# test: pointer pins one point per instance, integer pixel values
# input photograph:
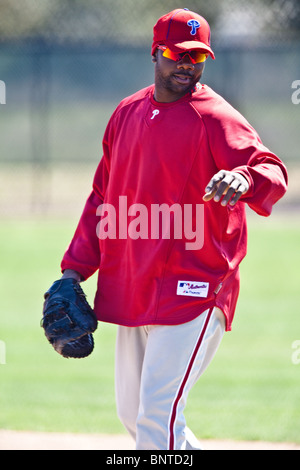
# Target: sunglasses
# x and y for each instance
(196, 57)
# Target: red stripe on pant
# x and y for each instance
(185, 379)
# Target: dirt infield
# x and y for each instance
(17, 440)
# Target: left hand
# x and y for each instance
(229, 184)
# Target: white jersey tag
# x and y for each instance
(193, 288)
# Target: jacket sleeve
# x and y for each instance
(236, 146)
(83, 254)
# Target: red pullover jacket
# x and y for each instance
(163, 155)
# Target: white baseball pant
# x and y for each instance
(156, 367)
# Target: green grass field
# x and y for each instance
(250, 391)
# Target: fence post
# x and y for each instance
(2, 92)
(39, 100)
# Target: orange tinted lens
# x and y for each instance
(170, 55)
(195, 56)
(198, 56)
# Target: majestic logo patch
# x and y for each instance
(194, 24)
(193, 288)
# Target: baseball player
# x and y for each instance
(175, 148)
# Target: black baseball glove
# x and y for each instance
(68, 320)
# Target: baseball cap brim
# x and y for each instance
(189, 46)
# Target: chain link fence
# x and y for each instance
(66, 64)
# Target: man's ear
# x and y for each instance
(154, 57)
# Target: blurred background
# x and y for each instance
(65, 65)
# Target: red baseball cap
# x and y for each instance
(182, 30)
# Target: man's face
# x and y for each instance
(173, 80)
